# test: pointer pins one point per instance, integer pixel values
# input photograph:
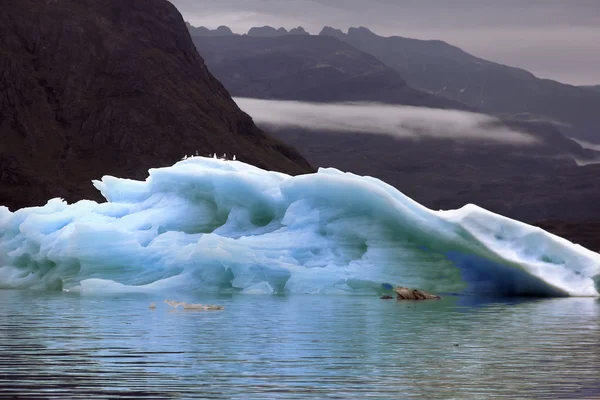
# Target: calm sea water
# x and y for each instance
(63, 344)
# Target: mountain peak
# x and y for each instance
(329, 31)
(224, 30)
(361, 31)
(269, 31)
(204, 31)
(298, 31)
(266, 31)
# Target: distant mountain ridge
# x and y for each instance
(203, 31)
(439, 68)
(258, 31)
(267, 31)
(324, 69)
(308, 68)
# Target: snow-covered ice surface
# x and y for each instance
(206, 225)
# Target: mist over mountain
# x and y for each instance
(324, 69)
(117, 90)
(438, 67)
(442, 161)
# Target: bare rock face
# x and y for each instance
(403, 293)
(110, 87)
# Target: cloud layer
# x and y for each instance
(393, 120)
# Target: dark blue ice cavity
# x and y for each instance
(495, 279)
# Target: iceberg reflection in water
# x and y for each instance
(211, 225)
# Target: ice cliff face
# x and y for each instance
(214, 225)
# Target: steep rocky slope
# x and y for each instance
(96, 87)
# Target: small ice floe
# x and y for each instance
(174, 303)
(190, 306)
(187, 306)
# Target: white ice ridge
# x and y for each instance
(206, 225)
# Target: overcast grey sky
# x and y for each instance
(557, 39)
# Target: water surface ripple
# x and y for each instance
(270, 347)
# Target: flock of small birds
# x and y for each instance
(213, 155)
(189, 306)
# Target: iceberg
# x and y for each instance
(212, 225)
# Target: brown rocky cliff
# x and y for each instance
(110, 87)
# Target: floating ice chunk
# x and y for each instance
(201, 307)
(192, 306)
(175, 304)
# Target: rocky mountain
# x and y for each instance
(96, 87)
(266, 31)
(298, 31)
(261, 31)
(203, 31)
(438, 67)
(309, 68)
(269, 31)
